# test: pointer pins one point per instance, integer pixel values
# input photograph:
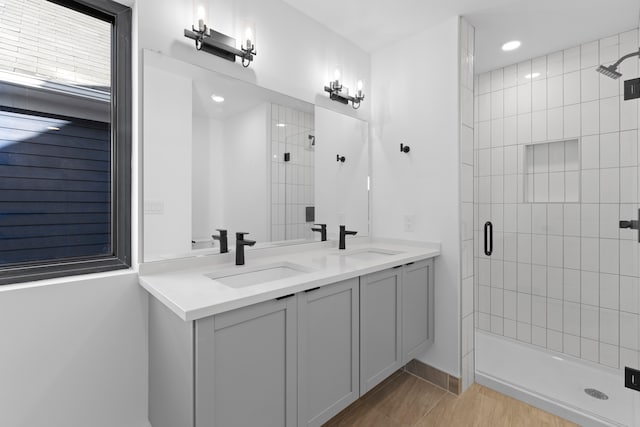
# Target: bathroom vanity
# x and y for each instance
(302, 330)
(290, 339)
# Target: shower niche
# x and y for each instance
(552, 172)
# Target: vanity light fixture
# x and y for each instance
(532, 76)
(280, 125)
(217, 98)
(219, 44)
(340, 93)
(512, 45)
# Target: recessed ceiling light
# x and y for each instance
(52, 128)
(512, 45)
(532, 76)
(280, 125)
(217, 98)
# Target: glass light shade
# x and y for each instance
(359, 87)
(200, 14)
(246, 35)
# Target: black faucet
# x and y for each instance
(322, 230)
(241, 242)
(223, 240)
(343, 233)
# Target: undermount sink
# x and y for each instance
(367, 254)
(249, 276)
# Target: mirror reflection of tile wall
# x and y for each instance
(292, 181)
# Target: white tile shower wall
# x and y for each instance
(562, 276)
(292, 182)
(466, 46)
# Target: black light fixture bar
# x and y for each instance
(221, 45)
(336, 94)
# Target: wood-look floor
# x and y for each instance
(404, 400)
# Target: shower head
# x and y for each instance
(610, 71)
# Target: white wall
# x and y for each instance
(247, 175)
(341, 188)
(415, 102)
(74, 353)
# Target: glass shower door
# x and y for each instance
(556, 171)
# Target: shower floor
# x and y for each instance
(555, 382)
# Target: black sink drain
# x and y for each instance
(596, 393)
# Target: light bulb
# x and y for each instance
(248, 35)
(512, 45)
(335, 84)
(201, 15)
(359, 87)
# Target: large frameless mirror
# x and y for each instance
(220, 153)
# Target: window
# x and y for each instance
(65, 138)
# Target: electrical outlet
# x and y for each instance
(632, 378)
(409, 223)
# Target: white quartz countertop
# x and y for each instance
(188, 291)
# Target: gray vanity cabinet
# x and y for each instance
(292, 361)
(245, 364)
(328, 351)
(417, 308)
(380, 326)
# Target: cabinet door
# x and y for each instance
(246, 366)
(380, 327)
(328, 351)
(417, 309)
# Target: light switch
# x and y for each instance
(153, 207)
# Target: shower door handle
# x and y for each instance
(488, 238)
(632, 224)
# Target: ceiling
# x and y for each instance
(543, 26)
